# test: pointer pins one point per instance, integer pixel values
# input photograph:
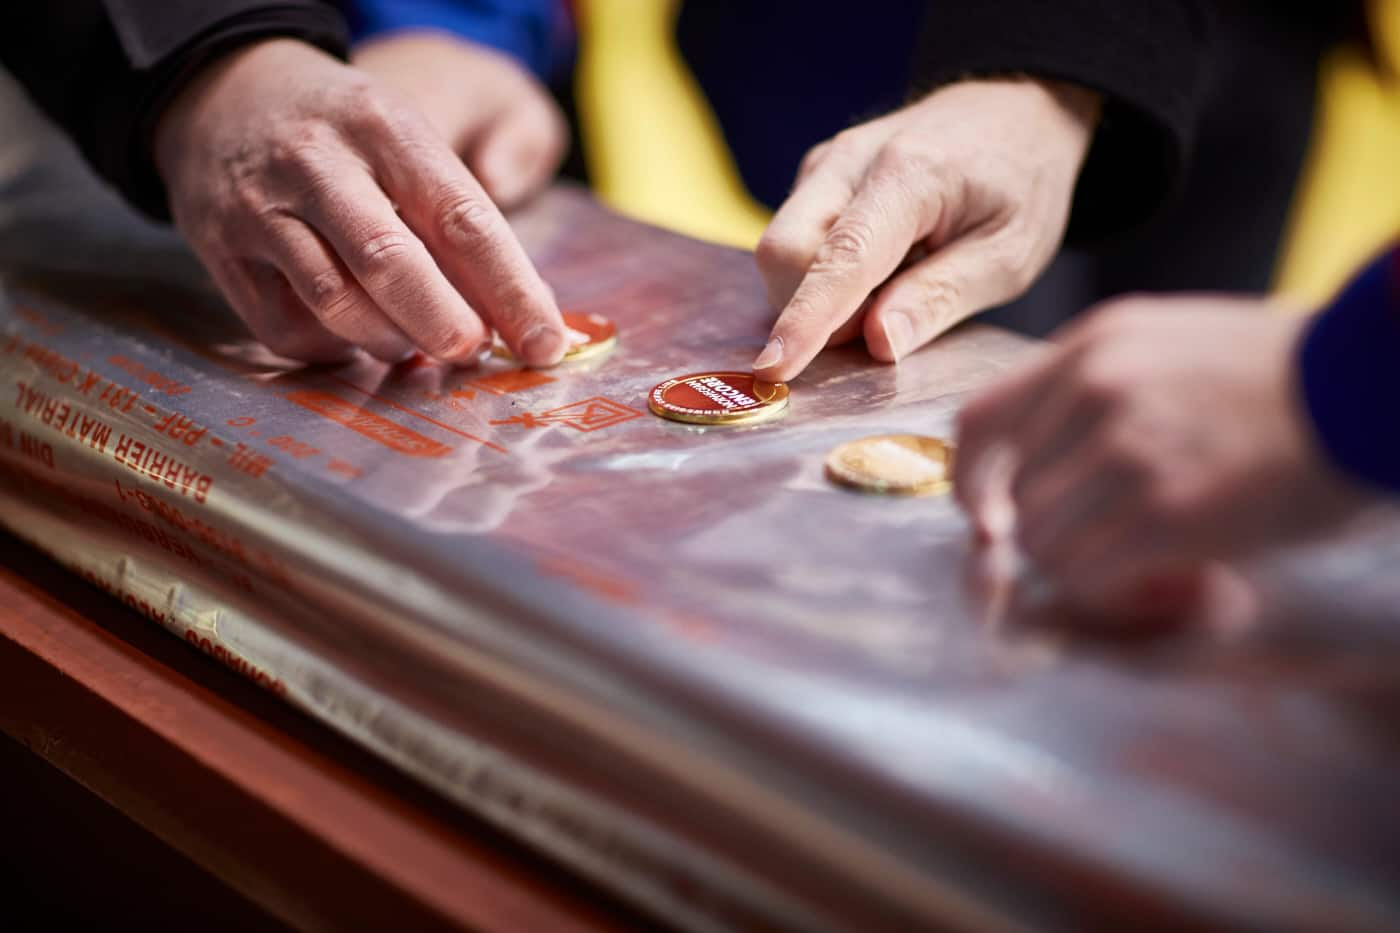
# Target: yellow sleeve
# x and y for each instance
(654, 149)
(1348, 205)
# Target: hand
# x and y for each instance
(1155, 436)
(492, 112)
(332, 215)
(904, 226)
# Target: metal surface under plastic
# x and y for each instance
(680, 657)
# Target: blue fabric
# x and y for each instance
(780, 75)
(1351, 375)
(535, 32)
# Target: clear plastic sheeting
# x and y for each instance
(680, 658)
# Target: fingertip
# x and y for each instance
(785, 371)
(543, 345)
(789, 351)
(771, 357)
(981, 531)
(769, 374)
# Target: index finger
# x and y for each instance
(471, 242)
(392, 265)
(864, 246)
(793, 236)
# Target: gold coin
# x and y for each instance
(589, 335)
(718, 398)
(894, 465)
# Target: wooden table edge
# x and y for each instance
(291, 816)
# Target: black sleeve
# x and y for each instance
(105, 69)
(1149, 58)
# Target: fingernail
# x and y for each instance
(899, 334)
(772, 354)
(542, 345)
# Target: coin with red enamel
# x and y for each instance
(718, 398)
(589, 335)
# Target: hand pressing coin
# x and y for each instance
(589, 336)
(333, 215)
(902, 227)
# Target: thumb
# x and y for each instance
(520, 150)
(968, 275)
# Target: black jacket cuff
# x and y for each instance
(104, 70)
(124, 149)
(1148, 59)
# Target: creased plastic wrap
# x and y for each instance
(680, 659)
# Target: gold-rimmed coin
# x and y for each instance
(718, 398)
(893, 465)
(590, 335)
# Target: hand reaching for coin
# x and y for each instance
(333, 215)
(1154, 437)
(902, 227)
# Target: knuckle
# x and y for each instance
(812, 158)
(848, 244)
(470, 224)
(1013, 262)
(905, 155)
(383, 249)
(307, 148)
(326, 287)
(942, 295)
(847, 141)
(331, 298)
(379, 115)
(382, 257)
(250, 196)
(367, 104)
(462, 212)
(299, 166)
